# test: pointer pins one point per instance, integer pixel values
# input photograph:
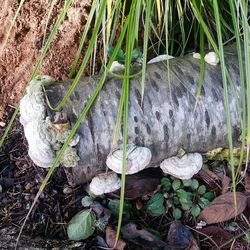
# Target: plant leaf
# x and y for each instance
(201, 189)
(222, 208)
(155, 205)
(195, 210)
(176, 184)
(177, 213)
(82, 225)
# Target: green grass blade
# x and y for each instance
(225, 89)
(145, 47)
(83, 38)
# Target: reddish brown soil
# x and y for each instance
(19, 54)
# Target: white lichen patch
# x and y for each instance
(43, 139)
(160, 58)
(104, 183)
(182, 167)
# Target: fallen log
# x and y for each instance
(165, 122)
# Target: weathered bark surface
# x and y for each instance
(165, 122)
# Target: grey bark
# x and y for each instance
(164, 123)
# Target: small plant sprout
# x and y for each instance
(182, 198)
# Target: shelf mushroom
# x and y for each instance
(104, 183)
(183, 168)
(138, 158)
(211, 58)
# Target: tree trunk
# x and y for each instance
(165, 122)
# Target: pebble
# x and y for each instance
(67, 190)
(2, 124)
(28, 186)
(1, 189)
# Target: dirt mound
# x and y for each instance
(19, 54)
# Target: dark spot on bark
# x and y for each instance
(148, 129)
(175, 99)
(154, 85)
(188, 140)
(157, 114)
(117, 93)
(213, 132)
(215, 96)
(190, 79)
(135, 119)
(99, 154)
(149, 100)
(178, 91)
(236, 133)
(173, 123)
(216, 78)
(183, 89)
(166, 133)
(91, 126)
(170, 113)
(157, 75)
(77, 96)
(203, 92)
(138, 96)
(207, 119)
(137, 140)
(195, 67)
(137, 130)
(235, 69)
(178, 70)
(88, 169)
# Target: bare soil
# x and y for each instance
(19, 54)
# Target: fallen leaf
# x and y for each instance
(222, 208)
(194, 245)
(82, 225)
(209, 177)
(140, 184)
(179, 235)
(217, 234)
(141, 237)
(111, 240)
(226, 184)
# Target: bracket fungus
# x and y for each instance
(212, 58)
(138, 158)
(45, 137)
(183, 168)
(104, 183)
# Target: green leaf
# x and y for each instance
(87, 201)
(82, 225)
(247, 237)
(203, 202)
(155, 205)
(195, 184)
(185, 206)
(176, 200)
(187, 183)
(195, 210)
(177, 213)
(176, 184)
(166, 184)
(115, 204)
(208, 195)
(136, 53)
(201, 189)
(184, 197)
(120, 57)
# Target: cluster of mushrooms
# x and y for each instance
(137, 159)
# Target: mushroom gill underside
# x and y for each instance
(165, 122)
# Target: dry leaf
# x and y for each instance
(110, 239)
(226, 184)
(218, 235)
(209, 177)
(222, 208)
(141, 183)
(179, 235)
(141, 237)
(194, 245)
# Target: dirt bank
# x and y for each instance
(20, 53)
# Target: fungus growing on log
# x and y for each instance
(164, 122)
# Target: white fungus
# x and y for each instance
(183, 168)
(138, 158)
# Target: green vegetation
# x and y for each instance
(171, 27)
(180, 197)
